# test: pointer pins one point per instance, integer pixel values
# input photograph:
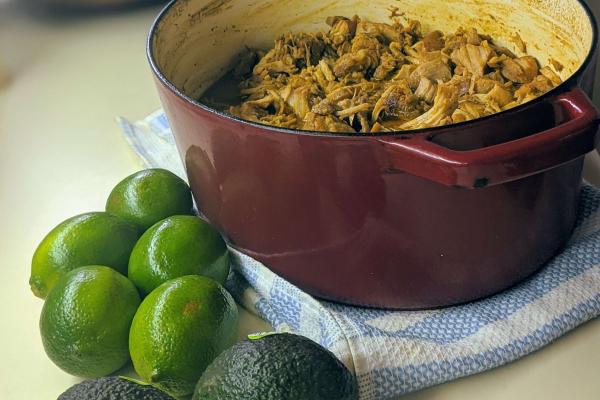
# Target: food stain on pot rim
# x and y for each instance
(213, 8)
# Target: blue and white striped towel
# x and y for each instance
(396, 352)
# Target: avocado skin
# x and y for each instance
(112, 388)
(277, 367)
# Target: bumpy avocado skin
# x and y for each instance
(277, 367)
(112, 388)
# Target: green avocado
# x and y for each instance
(113, 388)
(276, 367)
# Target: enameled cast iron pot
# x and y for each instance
(411, 220)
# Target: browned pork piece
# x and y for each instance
(444, 105)
(364, 77)
(520, 70)
(473, 58)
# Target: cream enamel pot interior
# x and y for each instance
(194, 32)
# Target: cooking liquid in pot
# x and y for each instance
(370, 77)
(224, 93)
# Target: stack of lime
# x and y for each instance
(94, 270)
(93, 320)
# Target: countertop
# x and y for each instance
(61, 152)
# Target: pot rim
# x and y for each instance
(195, 103)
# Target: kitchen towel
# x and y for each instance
(396, 352)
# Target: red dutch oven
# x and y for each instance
(417, 219)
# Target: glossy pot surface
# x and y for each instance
(411, 220)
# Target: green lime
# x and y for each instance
(85, 321)
(179, 329)
(87, 239)
(276, 367)
(177, 246)
(148, 196)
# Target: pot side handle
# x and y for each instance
(504, 162)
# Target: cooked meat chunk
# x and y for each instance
(426, 90)
(299, 98)
(472, 37)
(453, 42)
(503, 51)
(404, 73)
(473, 108)
(383, 31)
(500, 95)
(282, 120)
(290, 54)
(270, 65)
(473, 58)
(462, 83)
(363, 122)
(538, 86)
(387, 64)
(446, 101)
(520, 70)
(434, 70)
(396, 48)
(496, 61)
(551, 75)
(542, 84)
(327, 123)
(326, 71)
(352, 110)
(307, 50)
(413, 28)
(323, 107)
(363, 55)
(363, 41)
(342, 29)
(397, 102)
(352, 62)
(363, 76)
(434, 40)
(377, 127)
(484, 85)
(252, 110)
(468, 110)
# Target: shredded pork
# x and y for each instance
(361, 76)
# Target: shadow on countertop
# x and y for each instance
(64, 11)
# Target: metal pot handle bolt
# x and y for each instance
(577, 135)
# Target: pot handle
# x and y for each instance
(504, 162)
